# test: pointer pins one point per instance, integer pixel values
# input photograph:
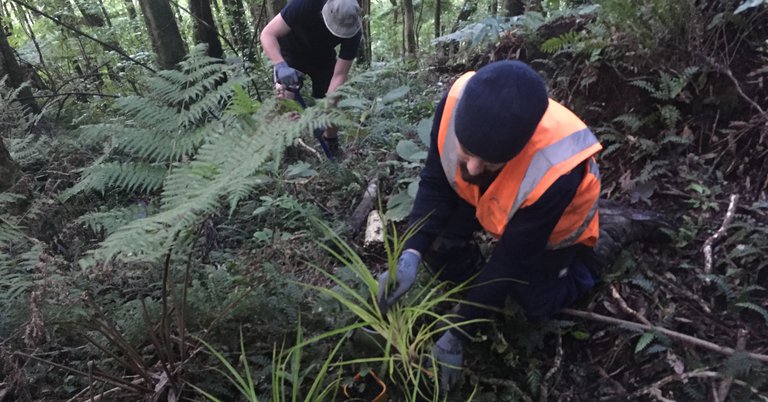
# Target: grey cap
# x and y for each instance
(342, 17)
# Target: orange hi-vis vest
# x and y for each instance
(560, 143)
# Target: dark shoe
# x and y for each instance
(620, 226)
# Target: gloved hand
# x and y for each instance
(407, 267)
(286, 75)
(448, 354)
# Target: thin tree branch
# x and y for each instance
(672, 334)
(544, 388)
(502, 383)
(624, 306)
(720, 233)
(79, 32)
(655, 387)
(68, 94)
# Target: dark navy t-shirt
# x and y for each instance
(309, 39)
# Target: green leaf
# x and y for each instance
(644, 341)
(580, 335)
(413, 188)
(409, 151)
(395, 94)
(399, 206)
(424, 129)
(300, 169)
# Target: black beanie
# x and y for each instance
(501, 106)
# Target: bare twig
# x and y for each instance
(721, 393)
(727, 71)
(624, 306)
(654, 389)
(544, 388)
(103, 377)
(310, 149)
(720, 233)
(502, 383)
(672, 334)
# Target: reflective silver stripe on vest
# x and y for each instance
(571, 239)
(449, 157)
(547, 157)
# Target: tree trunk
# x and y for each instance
(438, 11)
(9, 66)
(9, 170)
(130, 8)
(513, 7)
(90, 13)
(467, 10)
(163, 31)
(409, 29)
(395, 12)
(204, 27)
(365, 53)
(106, 14)
(26, 23)
(238, 25)
(5, 16)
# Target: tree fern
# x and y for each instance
(164, 126)
(233, 160)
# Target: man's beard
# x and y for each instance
(483, 180)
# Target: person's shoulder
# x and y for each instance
(303, 8)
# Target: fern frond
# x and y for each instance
(644, 85)
(533, 378)
(721, 283)
(111, 220)
(629, 120)
(754, 307)
(9, 232)
(568, 39)
(141, 177)
(670, 115)
(146, 144)
(643, 283)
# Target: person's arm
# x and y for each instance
(275, 29)
(340, 73)
(435, 199)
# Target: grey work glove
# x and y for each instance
(448, 354)
(407, 266)
(287, 75)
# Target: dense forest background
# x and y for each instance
(169, 231)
